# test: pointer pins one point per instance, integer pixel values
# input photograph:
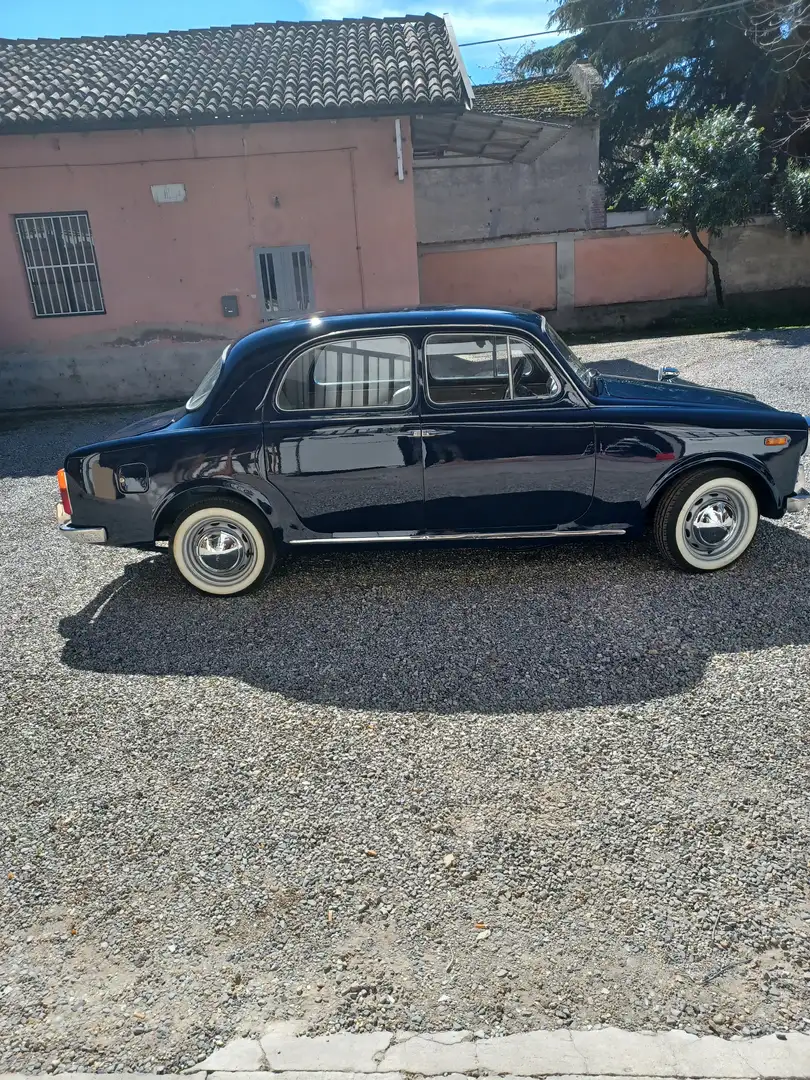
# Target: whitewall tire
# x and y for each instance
(222, 548)
(707, 520)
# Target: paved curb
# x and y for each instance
(563, 1053)
(458, 1055)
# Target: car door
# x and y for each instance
(508, 442)
(341, 435)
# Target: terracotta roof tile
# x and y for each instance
(229, 74)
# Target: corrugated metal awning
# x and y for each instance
(470, 134)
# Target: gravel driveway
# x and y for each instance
(498, 790)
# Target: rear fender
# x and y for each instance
(270, 503)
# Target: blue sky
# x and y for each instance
(473, 19)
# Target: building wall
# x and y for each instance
(763, 256)
(652, 266)
(558, 191)
(523, 276)
(620, 277)
(164, 268)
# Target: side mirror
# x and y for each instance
(667, 373)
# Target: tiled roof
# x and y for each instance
(269, 71)
(533, 99)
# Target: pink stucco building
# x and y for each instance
(247, 195)
(162, 193)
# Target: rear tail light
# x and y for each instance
(63, 491)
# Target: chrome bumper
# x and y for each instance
(799, 501)
(90, 536)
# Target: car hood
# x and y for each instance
(680, 392)
(149, 423)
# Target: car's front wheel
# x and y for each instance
(222, 548)
(707, 520)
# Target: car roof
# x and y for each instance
(256, 349)
(325, 322)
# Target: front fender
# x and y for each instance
(770, 498)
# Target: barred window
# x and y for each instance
(285, 281)
(60, 260)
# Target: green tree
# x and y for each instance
(704, 177)
(791, 199)
(667, 65)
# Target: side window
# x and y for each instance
(489, 367)
(284, 277)
(358, 373)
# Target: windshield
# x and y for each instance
(585, 373)
(201, 394)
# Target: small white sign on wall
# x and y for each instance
(167, 193)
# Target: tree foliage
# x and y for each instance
(663, 66)
(705, 177)
(791, 200)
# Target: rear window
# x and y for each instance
(349, 373)
(203, 391)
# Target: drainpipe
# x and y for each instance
(398, 139)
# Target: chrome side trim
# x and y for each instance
(90, 536)
(391, 538)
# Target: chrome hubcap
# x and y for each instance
(715, 524)
(220, 552)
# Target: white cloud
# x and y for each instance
(474, 20)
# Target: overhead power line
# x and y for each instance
(696, 13)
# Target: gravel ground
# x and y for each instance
(492, 789)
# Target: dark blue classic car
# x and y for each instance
(430, 424)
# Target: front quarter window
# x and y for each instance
(203, 391)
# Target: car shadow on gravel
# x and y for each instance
(557, 627)
(797, 338)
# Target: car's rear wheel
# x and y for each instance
(222, 548)
(707, 520)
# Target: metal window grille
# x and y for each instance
(285, 281)
(60, 260)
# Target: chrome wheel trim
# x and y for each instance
(715, 524)
(219, 552)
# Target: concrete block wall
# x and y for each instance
(616, 277)
(558, 191)
(761, 256)
(155, 371)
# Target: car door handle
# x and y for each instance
(426, 432)
(432, 432)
